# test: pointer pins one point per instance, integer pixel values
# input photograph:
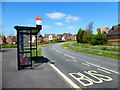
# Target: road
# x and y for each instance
(85, 70)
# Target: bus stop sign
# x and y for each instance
(38, 21)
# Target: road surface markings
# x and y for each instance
(104, 71)
(54, 48)
(85, 64)
(69, 56)
(58, 51)
(65, 77)
(71, 60)
(86, 81)
(102, 68)
(64, 54)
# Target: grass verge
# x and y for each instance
(38, 50)
(99, 47)
(87, 51)
(9, 46)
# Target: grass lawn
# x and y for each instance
(109, 55)
(99, 47)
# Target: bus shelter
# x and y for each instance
(25, 46)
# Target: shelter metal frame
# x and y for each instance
(25, 45)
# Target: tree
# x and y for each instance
(87, 36)
(89, 28)
(79, 36)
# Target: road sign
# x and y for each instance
(38, 21)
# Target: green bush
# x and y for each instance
(41, 41)
(98, 39)
(54, 41)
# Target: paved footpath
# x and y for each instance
(42, 76)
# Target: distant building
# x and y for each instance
(33, 39)
(49, 37)
(39, 38)
(68, 36)
(103, 30)
(2, 39)
(11, 40)
(63, 37)
(58, 36)
(113, 34)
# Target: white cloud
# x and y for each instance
(45, 27)
(56, 15)
(59, 23)
(70, 18)
(71, 27)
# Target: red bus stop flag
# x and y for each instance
(38, 21)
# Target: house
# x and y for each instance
(63, 38)
(68, 36)
(49, 37)
(15, 40)
(33, 39)
(58, 36)
(11, 40)
(39, 38)
(2, 39)
(113, 34)
(103, 30)
(75, 36)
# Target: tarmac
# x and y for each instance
(42, 76)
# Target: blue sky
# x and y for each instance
(59, 17)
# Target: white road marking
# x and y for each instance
(104, 71)
(65, 77)
(53, 48)
(85, 64)
(69, 56)
(64, 54)
(71, 60)
(57, 51)
(102, 67)
(83, 77)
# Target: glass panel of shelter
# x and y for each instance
(26, 47)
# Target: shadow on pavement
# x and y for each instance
(37, 61)
(3, 50)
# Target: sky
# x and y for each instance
(58, 17)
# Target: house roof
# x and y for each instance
(47, 35)
(114, 30)
(3, 37)
(12, 37)
(59, 35)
